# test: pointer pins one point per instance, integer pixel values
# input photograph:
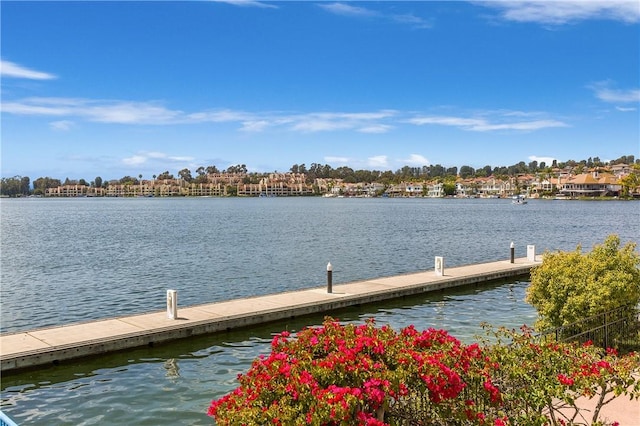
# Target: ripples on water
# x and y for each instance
(174, 384)
(70, 260)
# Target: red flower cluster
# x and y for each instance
(362, 374)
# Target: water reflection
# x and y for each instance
(247, 252)
(174, 383)
(173, 371)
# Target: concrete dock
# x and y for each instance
(52, 345)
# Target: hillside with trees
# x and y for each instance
(21, 186)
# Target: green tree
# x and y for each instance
(231, 190)
(631, 182)
(238, 168)
(202, 175)
(165, 176)
(436, 171)
(466, 171)
(211, 170)
(41, 184)
(449, 188)
(98, 182)
(570, 286)
(14, 186)
(185, 174)
(128, 180)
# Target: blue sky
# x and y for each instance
(126, 88)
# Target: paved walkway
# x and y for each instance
(621, 409)
(45, 346)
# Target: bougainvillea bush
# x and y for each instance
(367, 375)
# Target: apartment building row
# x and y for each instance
(593, 183)
(217, 185)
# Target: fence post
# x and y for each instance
(606, 331)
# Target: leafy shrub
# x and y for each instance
(361, 374)
(570, 286)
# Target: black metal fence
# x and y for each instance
(617, 328)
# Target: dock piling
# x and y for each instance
(54, 345)
(531, 253)
(172, 304)
(439, 266)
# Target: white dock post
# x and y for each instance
(172, 304)
(439, 266)
(531, 253)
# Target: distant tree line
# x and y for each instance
(19, 186)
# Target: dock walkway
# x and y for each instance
(46, 346)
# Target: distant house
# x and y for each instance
(397, 190)
(591, 185)
(466, 188)
(414, 189)
(620, 170)
(490, 187)
(435, 190)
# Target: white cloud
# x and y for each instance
(605, 93)
(622, 109)
(220, 116)
(345, 9)
(154, 154)
(28, 108)
(378, 161)
(120, 112)
(319, 125)
(366, 122)
(413, 20)
(131, 113)
(348, 10)
(562, 12)
(547, 160)
(483, 125)
(330, 159)
(247, 3)
(62, 125)
(416, 160)
(523, 125)
(161, 159)
(379, 128)
(372, 122)
(447, 121)
(10, 69)
(255, 125)
(180, 159)
(135, 160)
(154, 113)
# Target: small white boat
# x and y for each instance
(519, 199)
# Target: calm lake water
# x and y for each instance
(70, 260)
